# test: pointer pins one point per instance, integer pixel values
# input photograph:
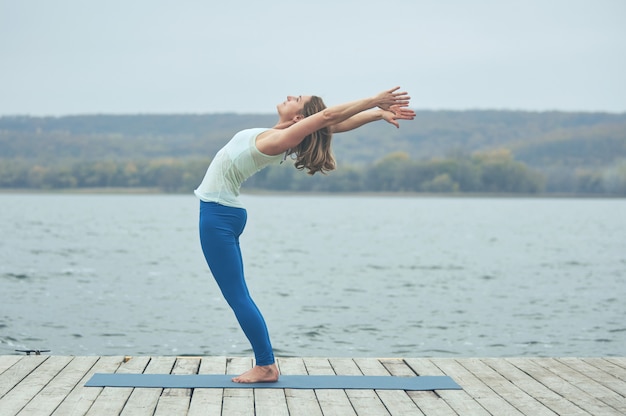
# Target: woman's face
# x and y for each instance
(292, 106)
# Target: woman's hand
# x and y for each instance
(386, 99)
(398, 112)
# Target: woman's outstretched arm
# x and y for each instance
(391, 115)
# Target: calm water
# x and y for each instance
(334, 276)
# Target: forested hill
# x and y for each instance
(550, 151)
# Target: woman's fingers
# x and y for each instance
(401, 112)
(393, 98)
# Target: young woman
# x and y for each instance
(304, 130)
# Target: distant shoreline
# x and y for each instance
(115, 190)
(157, 191)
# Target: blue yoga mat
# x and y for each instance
(285, 382)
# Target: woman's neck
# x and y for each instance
(283, 124)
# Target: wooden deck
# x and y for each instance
(53, 385)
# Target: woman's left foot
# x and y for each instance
(259, 374)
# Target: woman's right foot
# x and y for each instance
(259, 374)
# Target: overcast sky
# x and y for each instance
(181, 56)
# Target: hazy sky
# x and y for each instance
(182, 56)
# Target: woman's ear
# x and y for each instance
(297, 118)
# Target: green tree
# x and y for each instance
(614, 178)
(441, 183)
(500, 173)
(389, 174)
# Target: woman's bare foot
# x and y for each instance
(259, 374)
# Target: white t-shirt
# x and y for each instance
(232, 165)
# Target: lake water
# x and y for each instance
(333, 275)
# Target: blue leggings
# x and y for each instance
(220, 228)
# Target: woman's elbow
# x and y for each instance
(330, 117)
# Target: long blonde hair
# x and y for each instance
(314, 152)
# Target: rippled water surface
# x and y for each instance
(333, 275)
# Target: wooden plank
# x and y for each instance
(619, 361)
(545, 380)
(80, 399)
(177, 401)
(605, 364)
(7, 361)
(533, 387)
(184, 365)
(18, 371)
(49, 398)
(208, 401)
(32, 384)
(143, 401)
(458, 400)
(238, 401)
(588, 394)
(600, 370)
(270, 402)
(332, 402)
(299, 402)
(504, 388)
(397, 402)
(427, 401)
(475, 387)
(111, 400)
(364, 402)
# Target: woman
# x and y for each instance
(304, 129)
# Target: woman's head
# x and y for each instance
(314, 152)
(290, 110)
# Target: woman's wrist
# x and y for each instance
(378, 103)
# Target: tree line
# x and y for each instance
(440, 151)
(486, 172)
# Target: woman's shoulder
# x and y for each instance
(252, 130)
(248, 133)
(265, 141)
